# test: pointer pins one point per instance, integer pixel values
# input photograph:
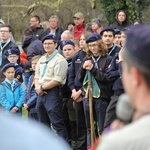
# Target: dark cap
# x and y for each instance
(93, 37)
(49, 37)
(117, 31)
(97, 21)
(108, 28)
(138, 43)
(78, 15)
(8, 65)
(67, 42)
(12, 51)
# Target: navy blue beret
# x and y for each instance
(49, 37)
(138, 43)
(18, 70)
(6, 66)
(117, 31)
(67, 42)
(93, 37)
(11, 51)
(107, 28)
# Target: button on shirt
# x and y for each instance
(56, 69)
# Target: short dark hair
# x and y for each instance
(138, 20)
(6, 25)
(132, 62)
(27, 32)
(108, 31)
(36, 17)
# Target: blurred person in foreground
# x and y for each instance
(136, 81)
(28, 136)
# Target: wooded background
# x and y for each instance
(17, 13)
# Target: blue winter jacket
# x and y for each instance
(9, 98)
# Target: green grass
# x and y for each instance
(24, 113)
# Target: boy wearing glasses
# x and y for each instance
(12, 56)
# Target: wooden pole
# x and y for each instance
(91, 113)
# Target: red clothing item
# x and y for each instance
(78, 30)
(23, 57)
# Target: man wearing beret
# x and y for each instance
(136, 81)
(108, 35)
(50, 74)
(5, 43)
(79, 25)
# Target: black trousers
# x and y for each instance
(69, 118)
(99, 111)
(49, 109)
(111, 111)
(81, 126)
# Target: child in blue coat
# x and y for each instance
(11, 91)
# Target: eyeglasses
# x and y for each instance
(5, 31)
(92, 45)
(12, 56)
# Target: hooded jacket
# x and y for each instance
(32, 47)
(122, 25)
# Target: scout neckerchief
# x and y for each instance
(69, 62)
(112, 49)
(1, 49)
(47, 60)
(96, 60)
(12, 83)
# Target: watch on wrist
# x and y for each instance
(41, 88)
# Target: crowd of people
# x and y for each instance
(73, 78)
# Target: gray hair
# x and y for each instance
(54, 17)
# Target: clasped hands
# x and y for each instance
(88, 65)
